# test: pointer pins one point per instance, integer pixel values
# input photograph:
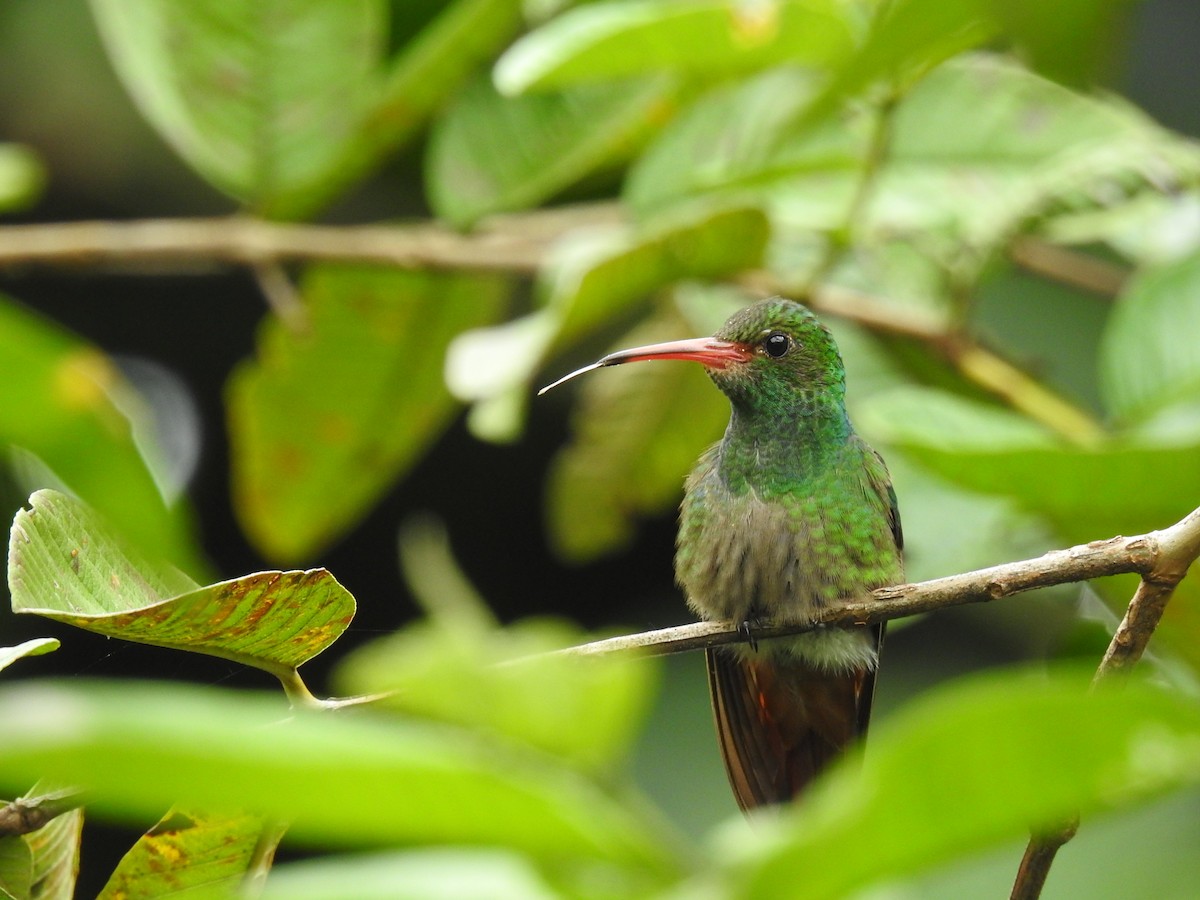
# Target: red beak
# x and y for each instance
(706, 351)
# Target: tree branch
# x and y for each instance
(1143, 554)
(28, 814)
(510, 243)
(1178, 547)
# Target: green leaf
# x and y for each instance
(185, 851)
(66, 564)
(592, 279)
(21, 177)
(460, 666)
(324, 421)
(603, 41)
(974, 764)
(260, 98)
(489, 153)
(976, 148)
(55, 849)
(349, 780)
(444, 872)
(62, 394)
(35, 647)
(1120, 487)
(584, 710)
(16, 868)
(637, 431)
(1150, 358)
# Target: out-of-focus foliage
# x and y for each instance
(892, 163)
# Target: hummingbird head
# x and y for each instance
(773, 358)
(790, 362)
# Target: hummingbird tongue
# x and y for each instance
(707, 351)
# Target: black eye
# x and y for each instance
(776, 344)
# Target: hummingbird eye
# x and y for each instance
(776, 344)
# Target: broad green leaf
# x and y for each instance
(971, 765)
(1120, 487)
(1071, 41)
(16, 868)
(740, 136)
(324, 420)
(67, 564)
(35, 647)
(428, 70)
(61, 395)
(637, 431)
(261, 98)
(592, 279)
(604, 41)
(356, 779)
(509, 682)
(442, 872)
(21, 177)
(185, 851)
(55, 849)
(975, 149)
(1150, 357)
(489, 153)
(458, 665)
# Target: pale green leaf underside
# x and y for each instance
(66, 564)
(352, 781)
(261, 98)
(35, 647)
(1010, 750)
(635, 37)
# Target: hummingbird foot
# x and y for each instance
(746, 630)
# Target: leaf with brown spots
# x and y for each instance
(186, 850)
(67, 564)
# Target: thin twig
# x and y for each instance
(1178, 548)
(1081, 270)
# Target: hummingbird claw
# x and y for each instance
(746, 630)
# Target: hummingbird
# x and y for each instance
(788, 514)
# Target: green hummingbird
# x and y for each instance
(789, 513)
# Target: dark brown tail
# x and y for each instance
(781, 722)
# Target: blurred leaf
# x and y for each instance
(489, 153)
(459, 666)
(1004, 752)
(67, 565)
(16, 868)
(428, 70)
(62, 395)
(353, 779)
(508, 681)
(1121, 487)
(185, 851)
(637, 431)
(324, 421)
(445, 873)
(35, 647)
(740, 136)
(1069, 41)
(1150, 357)
(591, 279)
(602, 41)
(260, 98)
(21, 177)
(976, 148)
(56, 856)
